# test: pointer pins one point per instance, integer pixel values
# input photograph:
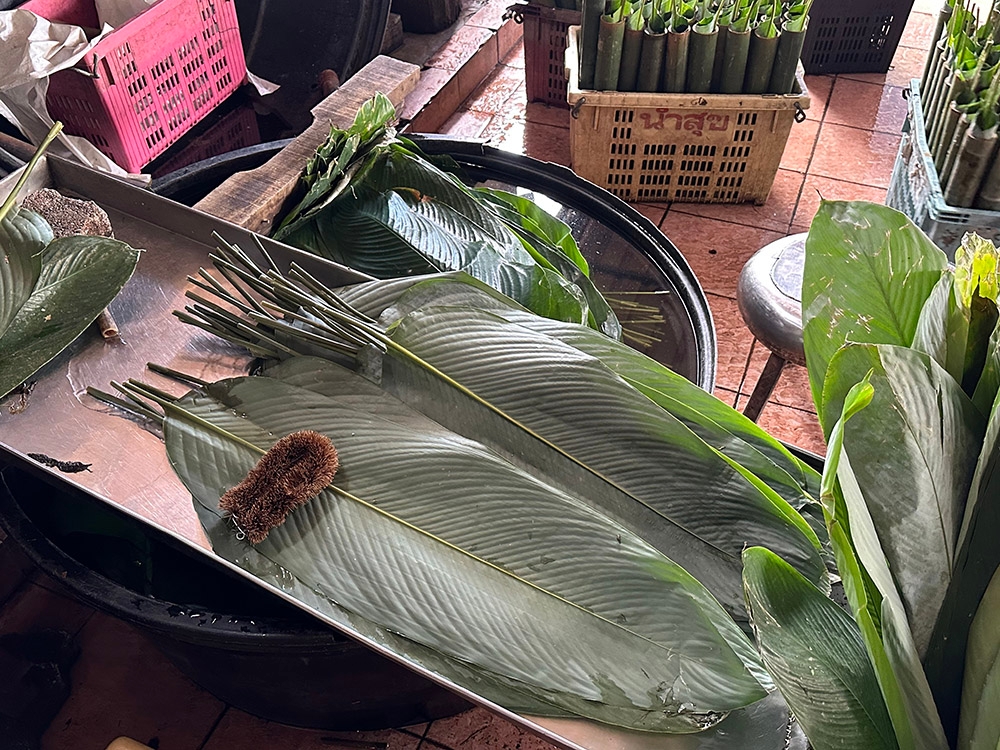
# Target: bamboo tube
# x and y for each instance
(760, 62)
(654, 45)
(720, 58)
(628, 74)
(735, 61)
(953, 117)
(701, 60)
(786, 60)
(590, 29)
(609, 54)
(954, 146)
(934, 105)
(959, 84)
(989, 192)
(675, 67)
(970, 167)
(933, 60)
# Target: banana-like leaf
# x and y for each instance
(868, 271)
(872, 595)
(79, 276)
(989, 382)
(716, 423)
(919, 442)
(498, 587)
(976, 560)
(563, 413)
(23, 236)
(396, 235)
(817, 657)
(980, 725)
(541, 223)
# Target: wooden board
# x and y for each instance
(252, 199)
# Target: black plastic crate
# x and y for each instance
(854, 36)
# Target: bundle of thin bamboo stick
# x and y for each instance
(959, 92)
(696, 46)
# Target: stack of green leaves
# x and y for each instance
(374, 202)
(506, 480)
(50, 290)
(959, 96)
(903, 354)
(692, 46)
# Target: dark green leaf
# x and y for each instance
(85, 274)
(817, 657)
(868, 271)
(915, 453)
(23, 236)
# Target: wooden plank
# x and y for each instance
(252, 199)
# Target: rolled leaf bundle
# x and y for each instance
(786, 59)
(974, 155)
(734, 63)
(675, 68)
(628, 74)
(760, 61)
(701, 54)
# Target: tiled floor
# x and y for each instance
(844, 150)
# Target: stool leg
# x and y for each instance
(765, 386)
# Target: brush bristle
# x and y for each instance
(295, 470)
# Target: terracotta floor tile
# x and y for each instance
(496, 90)
(478, 729)
(655, 212)
(816, 188)
(819, 93)
(716, 250)
(919, 31)
(123, 686)
(543, 142)
(775, 214)
(907, 64)
(547, 115)
(479, 67)
(800, 145)
(466, 124)
(734, 340)
(460, 48)
(240, 731)
(866, 105)
(516, 58)
(794, 426)
(726, 396)
(33, 607)
(436, 88)
(792, 388)
(509, 39)
(855, 155)
(490, 16)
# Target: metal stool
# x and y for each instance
(770, 299)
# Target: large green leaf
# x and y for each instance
(560, 411)
(637, 619)
(716, 423)
(23, 236)
(977, 557)
(817, 657)
(914, 456)
(393, 235)
(872, 595)
(980, 725)
(868, 271)
(81, 276)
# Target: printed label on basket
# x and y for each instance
(694, 122)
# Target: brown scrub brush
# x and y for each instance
(296, 469)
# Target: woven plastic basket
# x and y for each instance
(145, 84)
(694, 148)
(546, 36)
(916, 190)
(854, 36)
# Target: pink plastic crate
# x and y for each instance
(149, 81)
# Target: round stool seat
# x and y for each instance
(770, 296)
